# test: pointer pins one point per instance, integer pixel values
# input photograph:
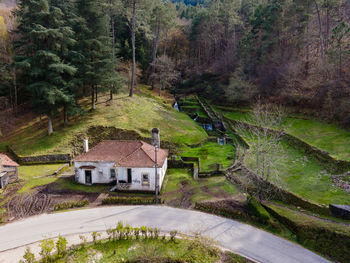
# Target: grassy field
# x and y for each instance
(304, 176)
(210, 154)
(179, 186)
(328, 137)
(140, 113)
(37, 175)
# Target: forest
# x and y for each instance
(290, 52)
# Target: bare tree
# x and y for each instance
(264, 132)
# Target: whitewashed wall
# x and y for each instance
(122, 174)
(97, 178)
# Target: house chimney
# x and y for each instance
(155, 137)
(86, 145)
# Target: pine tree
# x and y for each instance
(93, 44)
(44, 39)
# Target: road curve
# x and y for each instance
(240, 238)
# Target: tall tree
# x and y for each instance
(162, 19)
(93, 45)
(136, 18)
(44, 36)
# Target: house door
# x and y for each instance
(88, 178)
(0, 183)
(129, 176)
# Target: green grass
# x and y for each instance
(210, 154)
(68, 184)
(145, 250)
(140, 113)
(29, 172)
(328, 137)
(179, 183)
(303, 176)
(37, 175)
(31, 184)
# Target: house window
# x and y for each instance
(113, 174)
(100, 172)
(145, 179)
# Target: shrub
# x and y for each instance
(144, 231)
(28, 257)
(173, 235)
(114, 200)
(61, 246)
(47, 246)
(120, 229)
(137, 232)
(68, 205)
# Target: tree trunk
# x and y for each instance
(93, 98)
(15, 102)
(340, 62)
(327, 29)
(307, 55)
(319, 28)
(49, 129)
(96, 97)
(154, 54)
(113, 49)
(65, 115)
(133, 29)
(165, 45)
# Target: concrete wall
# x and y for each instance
(101, 175)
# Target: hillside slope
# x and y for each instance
(139, 114)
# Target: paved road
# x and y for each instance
(240, 238)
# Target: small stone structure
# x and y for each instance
(341, 211)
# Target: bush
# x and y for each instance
(28, 257)
(113, 200)
(47, 246)
(68, 205)
(61, 246)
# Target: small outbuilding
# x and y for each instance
(8, 170)
(129, 165)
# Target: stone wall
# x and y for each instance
(41, 159)
(331, 164)
(288, 197)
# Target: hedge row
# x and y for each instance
(68, 205)
(330, 241)
(114, 200)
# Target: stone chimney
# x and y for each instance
(155, 137)
(86, 145)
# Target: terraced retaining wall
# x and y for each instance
(331, 164)
(41, 159)
(323, 239)
(288, 197)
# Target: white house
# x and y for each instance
(130, 165)
(8, 170)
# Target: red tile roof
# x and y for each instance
(6, 161)
(124, 154)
